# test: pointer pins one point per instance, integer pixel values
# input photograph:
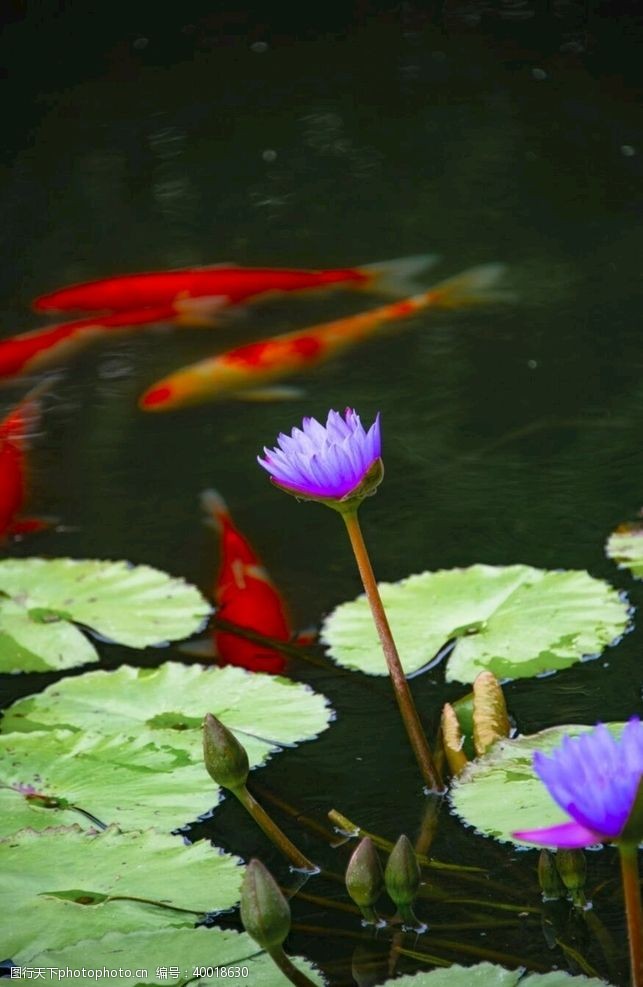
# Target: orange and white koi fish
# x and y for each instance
(246, 370)
(15, 432)
(244, 595)
(195, 292)
(31, 351)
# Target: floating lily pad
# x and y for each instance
(514, 620)
(166, 706)
(133, 605)
(58, 886)
(150, 956)
(500, 792)
(490, 975)
(60, 778)
(625, 547)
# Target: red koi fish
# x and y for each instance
(198, 291)
(15, 432)
(244, 595)
(246, 370)
(30, 351)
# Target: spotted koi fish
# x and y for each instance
(246, 370)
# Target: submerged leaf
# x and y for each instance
(516, 621)
(500, 793)
(165, 706)
(133, 605)
(39, 870)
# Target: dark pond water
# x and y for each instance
(505, 133)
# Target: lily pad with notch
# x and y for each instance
(57, 777)
(42, 600)
(515, 621)
(500, 792)
(193, 951)
(165, 706)
(64, 885)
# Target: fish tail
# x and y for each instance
(23, 421)
(475, 286)
(396, 277)
(215, 508)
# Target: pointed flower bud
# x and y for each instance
(265, 913)
(338, 463)
(550, 883)
(364, 878)
(402, 873)
(225, 759)
(572, 867)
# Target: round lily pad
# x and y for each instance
(490, 975)
(133, 605)
(64, 885)
(166, 706)
(60, 778)
(515, 621)
(625, 547)
(500, 793)
(175, 956)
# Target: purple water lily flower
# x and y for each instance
(595, 779)
(325, 462)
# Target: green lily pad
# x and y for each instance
(625, 547)
(500, 792)
(165, 706)
(60, 778)
(175, 956)
(133, 605)
(58, 886)
(490, 975)
(515, 621)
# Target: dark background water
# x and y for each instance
(324, 137)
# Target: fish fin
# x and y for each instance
(307, 636)
(396, 277)
(269, 394)
(476, 286)
(203, 647)
(30, 526)
(199, 311)
(215, 508)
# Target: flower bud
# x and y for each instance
(402, 873)
(364, 878)
(265, 913)
(225, 759)
(572, 867)
(550, 883)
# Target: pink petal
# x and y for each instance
(565, 836)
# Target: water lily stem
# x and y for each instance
(632, 893)
(403, 695)
(289, 969)
(272, 831)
